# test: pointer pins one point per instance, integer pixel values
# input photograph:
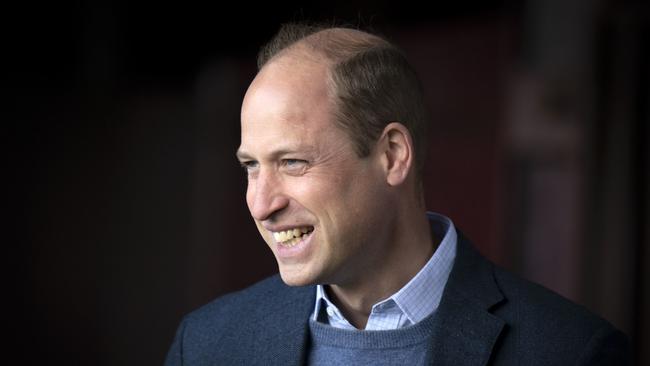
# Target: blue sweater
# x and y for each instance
(404, 346)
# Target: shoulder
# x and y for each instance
(240, 315)
(541, 306)
(228, 329)
(244, 304)
(545, 323)
(239, 300)
(514, 298)
(539, 325)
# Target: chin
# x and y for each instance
(294, 278)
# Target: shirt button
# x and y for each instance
(330, 311)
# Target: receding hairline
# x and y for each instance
(335, 44)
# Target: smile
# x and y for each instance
(291, 237)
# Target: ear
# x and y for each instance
(396, 149)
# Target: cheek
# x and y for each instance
(365, 197)
(303, 189)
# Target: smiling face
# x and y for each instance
(319, 207)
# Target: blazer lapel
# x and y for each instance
(284, 329)
(465, 331)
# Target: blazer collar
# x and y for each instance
(465, 330)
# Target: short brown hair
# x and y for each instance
(372, 80)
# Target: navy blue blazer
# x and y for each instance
(486, 316)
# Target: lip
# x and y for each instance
(296, 251)
(278, 228)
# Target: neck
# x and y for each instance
(404, 255)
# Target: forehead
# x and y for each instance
(289, 101)
(289, 85)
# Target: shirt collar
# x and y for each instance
(420, 297)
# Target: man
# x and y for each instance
(332, 139)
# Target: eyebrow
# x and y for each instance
(243, 155)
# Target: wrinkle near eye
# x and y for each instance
(337, 153)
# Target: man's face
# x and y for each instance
(316, 203)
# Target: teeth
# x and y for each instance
(291, 237)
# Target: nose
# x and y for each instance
(265, 196)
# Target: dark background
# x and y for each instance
(127, 202)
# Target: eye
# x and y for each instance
(249, 166)
(294, 165)
(293, 162)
